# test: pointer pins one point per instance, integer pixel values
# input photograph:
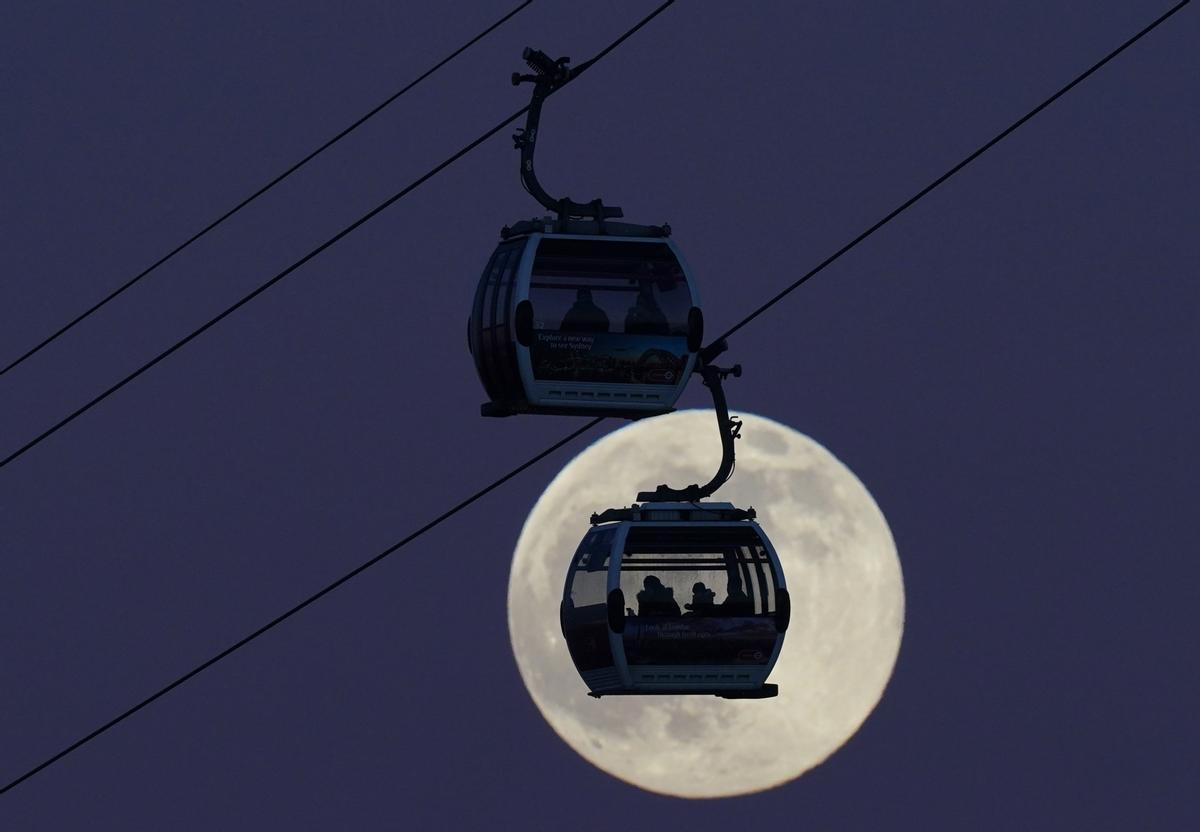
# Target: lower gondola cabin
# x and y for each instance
(676, 598)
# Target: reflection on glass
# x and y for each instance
(601, 286)
(727, 586)
(608, 312)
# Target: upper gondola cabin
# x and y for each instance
(598, 324)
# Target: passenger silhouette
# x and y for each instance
(584, 315)
(702, 600)
(645, 316)
(737, 602)
(656, 599)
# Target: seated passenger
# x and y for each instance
(737, 602)
(584, 315)
(656, 599)
(702, 600)
(645, 317)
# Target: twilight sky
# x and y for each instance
(1009, 368)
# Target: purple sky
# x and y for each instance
(1009, 367)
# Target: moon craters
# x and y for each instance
(842, 573)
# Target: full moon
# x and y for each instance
(842, 572)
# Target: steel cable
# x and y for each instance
(45, 342)
(446, 515)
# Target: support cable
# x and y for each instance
(446, 515)
(979, 152)
(66, 420)
(212, 225)
(316, 596)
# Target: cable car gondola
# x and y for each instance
(576, 313)
(676, 598)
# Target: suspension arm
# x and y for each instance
(728, 427)
(548, 76)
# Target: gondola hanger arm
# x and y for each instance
(729, 427)
(549, 75)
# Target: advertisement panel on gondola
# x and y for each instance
(698, 640)
(608, 357)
